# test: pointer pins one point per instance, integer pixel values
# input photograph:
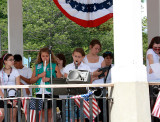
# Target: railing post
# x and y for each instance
(54, 110)
(28, 110)
(91, 110)
(46, 110)
(63, 110)
(72, 110)
(104, 105)
(37, 111)
(19, 105)
(5, 105)
(81, 110)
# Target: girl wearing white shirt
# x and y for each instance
(94, 61)
(152, 57)
(8, 76)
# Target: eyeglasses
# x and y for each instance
(156, 48)
(11, 60)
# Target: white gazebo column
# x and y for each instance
(15, 28)
(153, 18)
(130, 93)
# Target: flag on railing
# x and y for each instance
(32, 106)
(156, 108)
(86, 110)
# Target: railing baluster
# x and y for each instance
(91, 110)
(97, 118)
(81, 110)
(104, 105)
(5, 105)
(63, 110)
(54, 110)
(19, 105)
(28, 110)
(46, 110)
(72, 110)
(68, 101)
(37, 111)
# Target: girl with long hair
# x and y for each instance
(41, 75)
(8, 76)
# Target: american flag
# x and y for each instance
(86, 110)
(156, 108)
(32, 106)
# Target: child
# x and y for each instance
(78, 55)
(25, 74)
(61, 62)
(108, 58)
(8, 76)
(41, 75)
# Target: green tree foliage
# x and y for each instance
(3, 24)
(145, 38)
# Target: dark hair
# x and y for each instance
(17, 57)
(62, 57)
(155, 40)
(1, 63)
(80, 50)
(94, 42)
(4, 58)
(108, 53)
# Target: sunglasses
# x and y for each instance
(156, 48)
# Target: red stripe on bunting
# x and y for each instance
(85, 23)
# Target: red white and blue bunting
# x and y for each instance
(87, 13)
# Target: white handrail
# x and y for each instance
(57, 86)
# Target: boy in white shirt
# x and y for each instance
(25, 74)
(78, 55)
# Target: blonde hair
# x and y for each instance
(46, 49)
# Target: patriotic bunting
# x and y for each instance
(86, 110)
(87, 13)
(32, 108)
(156, 108)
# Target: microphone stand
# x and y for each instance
(76, 65)
(50, 61)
